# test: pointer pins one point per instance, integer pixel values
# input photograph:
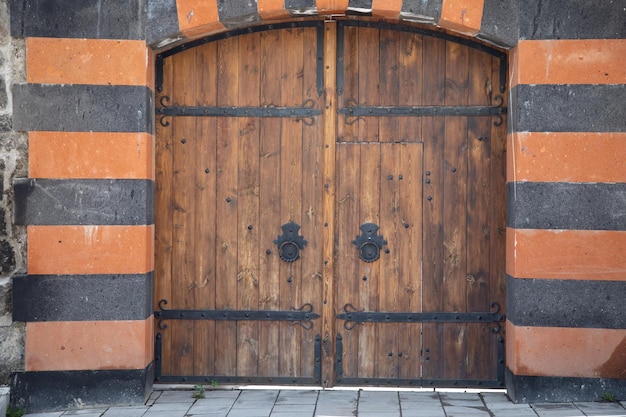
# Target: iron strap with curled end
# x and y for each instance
(352, 317)
(303, 316)
(306, 112)
(353, 111)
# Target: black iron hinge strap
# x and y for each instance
(352, 316)
(377, 111)
(303, 316)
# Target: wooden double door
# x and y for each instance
(330, 208)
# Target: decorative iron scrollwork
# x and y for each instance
(290, 243)
(369, 243)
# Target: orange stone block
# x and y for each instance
(87, 61)
(272, 9)
(570, 61)
(464, 16)
(566, 254)
(90, 249)
(91, 155)
(89, 345)
(387, 8)
(196, 16)
(566, 352)
(332, 6)
(567, 157)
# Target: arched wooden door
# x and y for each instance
(330, 208)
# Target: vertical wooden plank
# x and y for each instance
(248, 206)
(411, 84)
(347, 130)
(409, 265)
(454, 211)
(368, 76)
(205, 198)
(163, 221)
(311, 283)
(478, 274)
(227, 205)
(269, 218)
(390, 273)
(497, 288)
(291, 195)
(369, 212)
(347, 266)
(183, 262)
(328, 243)
(434, 136)
(389, 83)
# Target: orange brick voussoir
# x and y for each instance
(90, 249)
(91, 155)
(197, 17)
(566, 352)
(89, 345)
(87, 61)
(566, 254)
(464, 16)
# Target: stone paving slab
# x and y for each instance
(341, 403)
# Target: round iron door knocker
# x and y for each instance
(289, 251)
(369, 252)
(290, 243)
(369, 242)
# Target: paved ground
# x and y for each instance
(341, 403)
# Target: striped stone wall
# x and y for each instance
(566, 209)
(87, 204)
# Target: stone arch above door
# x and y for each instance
(174, 22)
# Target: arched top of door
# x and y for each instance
(342, 22)
(177, 22)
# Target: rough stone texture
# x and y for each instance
(13, 148)
(560, 205)
(500, 23)
(427, 11)
(11, 350)
(116, 19)
(237, 12)
(162, 22)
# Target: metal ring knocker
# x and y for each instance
(369, 243)
(290, 243)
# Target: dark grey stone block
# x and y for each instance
(568, 108)
(84, 202)
(234, 13)
(575, 206)
(162, 21)
(545, 389)
(421, 10)
(113, 19)
(572, 19)
(54, 390)
(82, 297)
(80, 108)
(7, 257)
(566, 303)
(500, 23)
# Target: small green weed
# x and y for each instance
(214, 383)
(198, 391)
(15, 411)
(608, 396)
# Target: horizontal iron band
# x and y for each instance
(305, 313)
(436, 317)
(226, 111)
(441, 383)
(422, 110)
